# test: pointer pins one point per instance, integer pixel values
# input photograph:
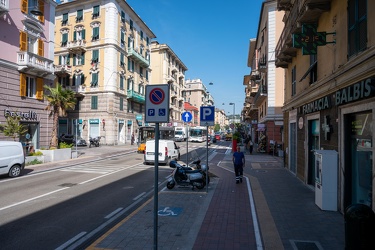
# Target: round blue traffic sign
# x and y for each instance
(157, 96)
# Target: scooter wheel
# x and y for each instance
(170, 185)
(200, 185)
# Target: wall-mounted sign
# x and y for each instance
(29, 115)
(94, 121)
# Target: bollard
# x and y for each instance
(359, 227)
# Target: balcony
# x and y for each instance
(136, 97)
(77, 46)
(261, 95)
(63, 70)
(255, 76)
(4, 7)
(262, 63)
(132, 53)
(301, 11)
(34, 64)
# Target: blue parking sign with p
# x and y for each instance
(207, 116)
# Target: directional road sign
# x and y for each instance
(157, 103)
(186, 116)
(207, 116)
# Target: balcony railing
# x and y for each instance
(34, 63)
(261, 95)
(63, 69)
(135, 96)
(4, 7)
(77, 46)
(138, 57)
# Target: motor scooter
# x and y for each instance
(94, 141)
(185, 176)
(197, 165)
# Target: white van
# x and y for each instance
(168, 150)
(12, 158)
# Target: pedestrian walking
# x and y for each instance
(239, 163)
(132, 140)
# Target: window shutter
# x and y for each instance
(39, 89)
(74, 35)
(68, 59)
(121, 103)
(40, 47)
(59, 60)
(24, 6)
(121, 82)
(83, 59)
(82, 79)
(74, 59)
(74, 80)
(129, 63)
(83, 34)
(22, 84)
(41, 8)
(23, 41)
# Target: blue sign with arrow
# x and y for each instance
(186, 116)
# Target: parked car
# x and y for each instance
(217, 136)
(12, 158)
(213, 138)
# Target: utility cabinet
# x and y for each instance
(326, 168)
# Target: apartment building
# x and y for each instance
(265, 83)
(197, 94)
(26, 66)
(330, 96)
(221, 119)
(167, 68)
(102, 52)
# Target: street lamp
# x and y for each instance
(234, 126)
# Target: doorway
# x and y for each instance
(313, 144)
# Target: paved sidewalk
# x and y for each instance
(282, 207)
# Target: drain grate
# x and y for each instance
(305, 245)
(68, 184)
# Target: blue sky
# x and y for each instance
(210, 37)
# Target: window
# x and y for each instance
(130, 65)
(122, 39)
(141, 35)
(131, 24)
(64, 20)
(64, 59)
(31, 87)
(95, 34)
(121, 82)
(95, 12)
(79, 17)
(28, 6)
(79, 35)
(94, 80)
(141, 89)
(146, 74)
(140, 71)
(94, 102)
(130, 84)
(121, 103)
(64, 40)
(294, 81)
(78, 59)
(147, 41)
(95, 56)
(78, 79)
(64, 81)
(130, 106)
(122, 16)
(357, 26)
(122, 63)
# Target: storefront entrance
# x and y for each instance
(313, 144)
(30, 140)
(358, 158)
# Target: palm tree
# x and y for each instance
(59, 101)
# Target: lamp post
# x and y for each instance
(234, 126)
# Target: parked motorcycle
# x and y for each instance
(185, 176)
(197, 165)
(94, 141)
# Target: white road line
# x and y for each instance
(139, 196)
(72, 240)
(34, 198)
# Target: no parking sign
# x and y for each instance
(157, 103)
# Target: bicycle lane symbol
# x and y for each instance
(169, 211)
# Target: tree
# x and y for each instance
(217, 127)
(59, 101)
(12, 127)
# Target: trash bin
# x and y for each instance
(359, 227)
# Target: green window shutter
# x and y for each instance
(129, 42)
(129, 85)
(121, 82)
(129, 63)
(59, 60)
(132, 65)
(94, 82)
(83, 59)
(122, 38)
(68, 59)
(121, 103)
(94, 102)
(74, 59)
(141, 35)
(65, 38)
(131, 24)
(95, 56)
(146, 74)
(123, 16)
(74, 35)
(83, 34)
(79, 15)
